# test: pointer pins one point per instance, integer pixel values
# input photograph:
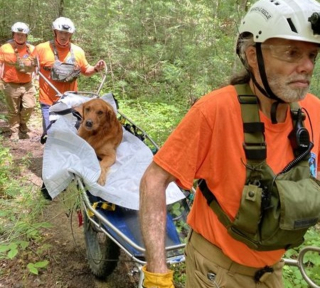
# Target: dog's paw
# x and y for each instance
(102, 179)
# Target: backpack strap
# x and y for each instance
(56, 55)
(213, 203)
(254, 144)
(55, 52)
(15, 49)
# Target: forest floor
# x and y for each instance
(68, 266)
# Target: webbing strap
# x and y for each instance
(213, 203)
(254, 144)
(55, 52)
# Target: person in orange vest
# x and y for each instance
(16, 71)
(61, 63)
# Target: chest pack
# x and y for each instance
(62, 71)
(26, 64)
(275, 210)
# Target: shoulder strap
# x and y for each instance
(213, 203)
(72, 54)
(55, 52)
(254, 144)
(56, 55)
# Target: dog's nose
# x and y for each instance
(89, 123)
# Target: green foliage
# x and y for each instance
(34, 267)
(157, 118)
(19, 211)
(5, 161)
(291, 275)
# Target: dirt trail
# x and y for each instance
(68, 266)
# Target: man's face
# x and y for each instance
(63, 37)
(20, 38)
(289, 66)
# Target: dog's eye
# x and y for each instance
(100, 112)
(87, 109)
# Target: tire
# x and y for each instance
(102, 253)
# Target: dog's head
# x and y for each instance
(96, 113)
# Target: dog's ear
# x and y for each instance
(79, 109)
(111, 115)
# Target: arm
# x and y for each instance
(100, 65)
(153, 216)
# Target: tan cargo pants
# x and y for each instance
(208, 267)
(20, 99)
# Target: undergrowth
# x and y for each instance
(20, 208)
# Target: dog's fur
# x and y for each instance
(102, 130)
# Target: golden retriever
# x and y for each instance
(102, 130)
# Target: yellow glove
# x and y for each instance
(157, 280)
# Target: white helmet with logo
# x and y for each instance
(289, 19)
(63, 24)
(20, 27)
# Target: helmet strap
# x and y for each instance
(273, 112)
(267, 90)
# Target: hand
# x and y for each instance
(157, 280)
(100, 66)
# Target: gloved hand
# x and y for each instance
(157, 280)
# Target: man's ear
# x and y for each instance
(251, 55)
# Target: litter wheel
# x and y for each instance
(102, 252)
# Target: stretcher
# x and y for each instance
(110, 228)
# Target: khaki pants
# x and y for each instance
(208, 267)
(20, 103)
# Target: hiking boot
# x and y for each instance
(23, 128)
(14, 136)
(24, 136)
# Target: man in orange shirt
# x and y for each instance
(278, 44)
(17, 66)
(53, 53)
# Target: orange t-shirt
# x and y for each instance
(208, 144)
(44, 53)
(9, 58)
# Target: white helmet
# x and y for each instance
(63, 24)
(289, 19)
(20, 27)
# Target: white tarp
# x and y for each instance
(66, 154)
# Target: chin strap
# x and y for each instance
(273, 112)
(267, 91)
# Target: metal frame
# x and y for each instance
(87, 206)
